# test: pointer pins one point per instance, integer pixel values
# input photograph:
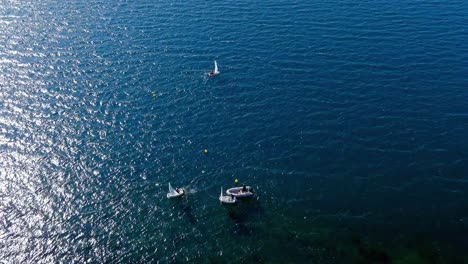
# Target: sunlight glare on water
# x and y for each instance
(347, 118)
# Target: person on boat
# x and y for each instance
(232, 196)
(177, 190)
(244, 189)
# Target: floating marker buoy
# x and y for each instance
(205, 151)
(154, 95)
(236, 180)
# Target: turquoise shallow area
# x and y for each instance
(348, 118)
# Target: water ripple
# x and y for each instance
(103, 102)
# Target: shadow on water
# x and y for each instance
(241, 213)
(181, 205)
(368, 254)
(188, 214)
(245, 209)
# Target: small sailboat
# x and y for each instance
(215, 71)
(173, 193)
(240, 192)
(226, 199)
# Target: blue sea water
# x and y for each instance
(348, 117)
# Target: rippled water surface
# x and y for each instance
(348, 117)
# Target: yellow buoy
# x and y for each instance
(236, 180)
(154, 95)
(205, 151)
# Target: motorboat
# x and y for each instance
(240, 192)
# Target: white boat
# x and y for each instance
(238, 193)
(227, 199)
(215, 71)
(173, 193)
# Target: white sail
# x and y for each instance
(171, 190)
(216, 67)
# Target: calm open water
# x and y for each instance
(350, 118)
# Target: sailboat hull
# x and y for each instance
(175, 194)
(227, 200)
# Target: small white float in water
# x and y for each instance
(215, 71)
(240, 192)
(173, 193)
(227, 199)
